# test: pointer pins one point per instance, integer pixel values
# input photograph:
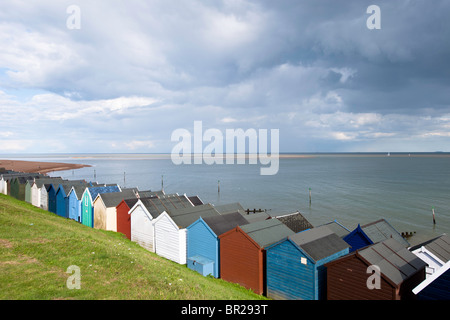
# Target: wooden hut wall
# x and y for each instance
(241, 260)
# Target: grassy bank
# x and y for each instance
(37, 247)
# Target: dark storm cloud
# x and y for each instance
(312, 68)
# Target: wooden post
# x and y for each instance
(162, 182)
(218, 186)
(309, 196)
(434, 220)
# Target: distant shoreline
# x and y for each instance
(38, 166)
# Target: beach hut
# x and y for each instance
(295, 265)
(18, 187)
(124, 207)
(170, 230)
(62, 196)
(382, 271)
(435, 252)
(436, 286)
(105, 214)
(242, 252)
(51, 196)
(87, 200)
(35, 194)
(74, 201)
(28, 186)
(44, 196)
(61, 201)
(141, 227)
(123, 216)
(145, 210)
(203, 241)
(373, 232)
(3, 187)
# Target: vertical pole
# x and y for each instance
(434, 220)
(124, 184)
(162, 182)
(309, 196)
(218, 186)
(95, 175)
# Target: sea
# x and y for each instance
(350, 188)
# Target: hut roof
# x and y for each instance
(319, 242)
(222, 223)
(186, 216)
(112, 199)
(381, 230)
(295, 221)
(393, 259)
(267, 232)
(439, 246)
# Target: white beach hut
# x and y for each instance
(145, 210)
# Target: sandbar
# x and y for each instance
(38, 167)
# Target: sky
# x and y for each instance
(122, 76)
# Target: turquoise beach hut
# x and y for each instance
(87, 200)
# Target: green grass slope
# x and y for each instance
(37, 248)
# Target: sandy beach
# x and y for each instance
(40, 167)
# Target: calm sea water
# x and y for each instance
(350, 188)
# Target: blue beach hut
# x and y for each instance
(74, 199)
(203, 241)
(374, 232)
(295, 265)
(61, 201)
(62, 196)
(357, 239)
(51, 195)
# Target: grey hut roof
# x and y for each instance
(42, 181)
(68, 184)
(230, 207)
(224, 222)
(393, 259)
(149, 193)
(266, 232)
(439, 246)
(176, 200)
(319, 242)
(112, 199)
(295, 221)
(186, 216)
(79, 189)
(381, 230)
(337, 228)
(131, 202)
(157, 205)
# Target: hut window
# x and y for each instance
(303, 260)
